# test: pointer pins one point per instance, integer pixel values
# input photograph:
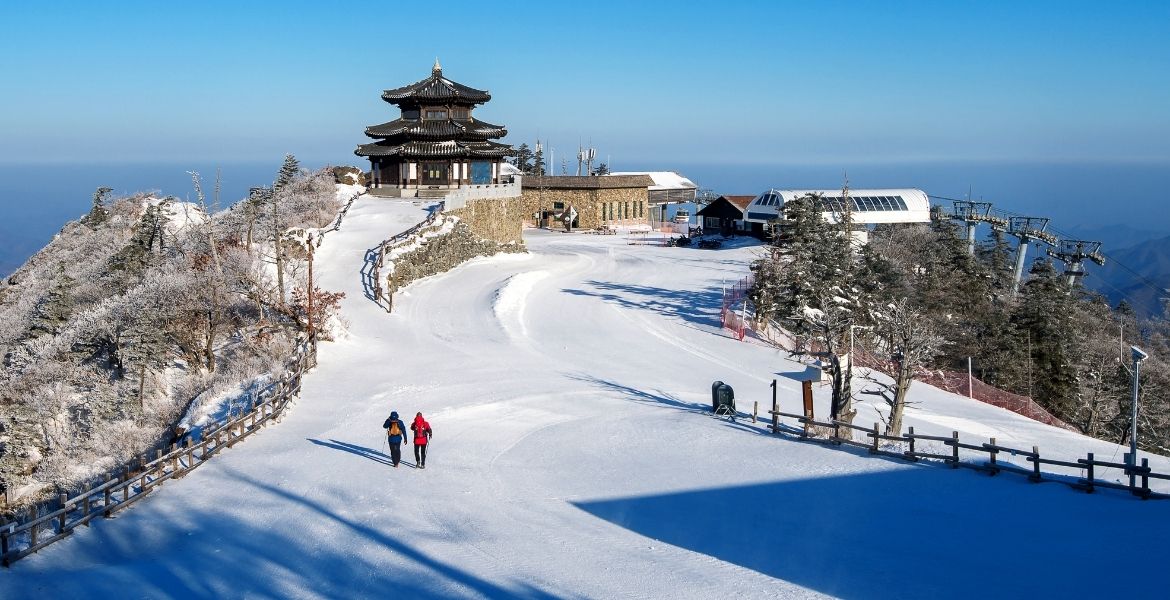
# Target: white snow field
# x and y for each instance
(574, 458)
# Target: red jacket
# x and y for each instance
(422, 431)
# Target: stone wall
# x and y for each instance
(497, 219)
(589, 204)
(441, 253)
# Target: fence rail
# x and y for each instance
(121, 489)
(380, 250)
(1139, 475)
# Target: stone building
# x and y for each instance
(608, 200)
(437, 145)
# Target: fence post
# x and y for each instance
(1145, 492)
(106, 500)
(955, 448)
(755, 409)
(911, 436)
(775, 410)
(994, 468)
(1089, 487)
(85, 506)
(125, 484)
(64, 498)
(1035, 465)
(32, 531)
(4, 528)
(875, 438)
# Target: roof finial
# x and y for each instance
(437, 69)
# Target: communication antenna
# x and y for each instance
(590, 155)
(580, 159)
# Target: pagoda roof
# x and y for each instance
(445, 149)
(445, 129)
(436, 88)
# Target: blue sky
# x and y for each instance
(764, 82)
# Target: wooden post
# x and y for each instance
(85, 507)
(106, 502)
(32, 531)
(125, 484)
(1089, 487)
(955, 448)
(64, 498)
(875, 439)
(911, 436)
(755, 409)
(1145, 492)
(837, 432)
(1036, 464)
(775, 409)
(994, 468)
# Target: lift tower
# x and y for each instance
(1073, 254)
(972, 214)
(1027, 229)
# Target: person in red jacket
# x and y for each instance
(422, 434)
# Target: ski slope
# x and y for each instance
(573, 458)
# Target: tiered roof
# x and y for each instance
(416, 138)
(436, 89)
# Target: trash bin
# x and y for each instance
(722, 394)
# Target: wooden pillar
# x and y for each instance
(1036, 464)
(64, 499)
(955, 449)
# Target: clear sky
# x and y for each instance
(766, 82)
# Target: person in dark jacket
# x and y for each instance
(395, 434)
(422, 435)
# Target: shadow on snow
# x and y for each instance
(906, 533)
(697, 307)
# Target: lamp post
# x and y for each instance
(1138, 357)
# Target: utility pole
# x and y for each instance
(1138, 357)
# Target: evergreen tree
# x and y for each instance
(602, 169)
(288, 171)
(1043, 317)
(538, 165)
(523, 158)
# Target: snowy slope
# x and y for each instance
(573, 458)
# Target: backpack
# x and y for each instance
(394, 430)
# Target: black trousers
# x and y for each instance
(420, 454)
(395, 452)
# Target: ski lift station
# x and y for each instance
(868, 207)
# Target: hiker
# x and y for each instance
(395, 434)
(422, 435)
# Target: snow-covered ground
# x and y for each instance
(573, 457)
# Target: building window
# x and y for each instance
(558, 205)
(460, 113)
(410, 114)
(436, 115)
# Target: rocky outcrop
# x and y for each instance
(350, 176)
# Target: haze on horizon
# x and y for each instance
(832, 83)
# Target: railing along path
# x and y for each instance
(1140, 475)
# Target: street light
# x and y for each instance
(1138, 357)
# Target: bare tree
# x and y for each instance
(906, 340)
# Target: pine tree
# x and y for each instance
(538, 165)
(523, 158)
(1043, 316)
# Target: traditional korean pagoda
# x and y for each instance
(437, 144)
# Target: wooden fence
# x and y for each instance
(122, 489)
(386, 245)
(1139, 483)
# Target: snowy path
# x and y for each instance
(573, 458)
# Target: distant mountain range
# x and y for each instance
(1139, 273)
